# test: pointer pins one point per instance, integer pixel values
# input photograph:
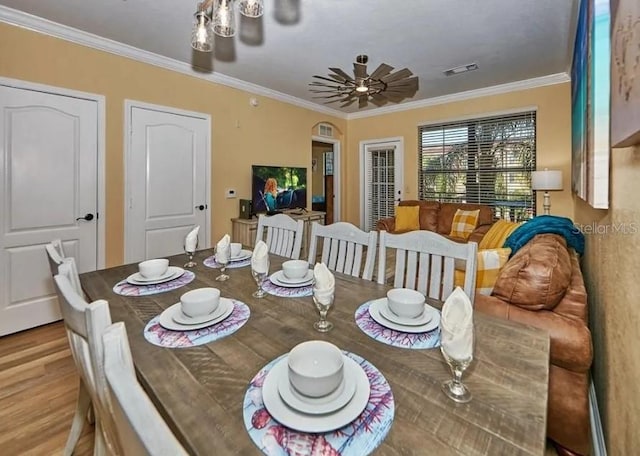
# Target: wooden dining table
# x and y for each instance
(199, 391)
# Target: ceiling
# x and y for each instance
(510, 40)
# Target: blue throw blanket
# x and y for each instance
(546, 224)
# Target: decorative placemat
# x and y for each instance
(125, 288)
(285, 292)
(358, 438)
(392, 337)
(163, 337)
(212, 263)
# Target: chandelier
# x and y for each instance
(218, 17)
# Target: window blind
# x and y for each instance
(380, 185)
(483, 161)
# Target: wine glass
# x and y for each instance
(458, 360)
(323, 299)
(259, 276)
(222, 258)
(190, 251)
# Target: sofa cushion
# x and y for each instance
(429, 217)
(448, 210)
(464, 222)
(407, 218)
(538, 275)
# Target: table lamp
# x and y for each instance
(546, 180)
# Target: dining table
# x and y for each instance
(199, 390)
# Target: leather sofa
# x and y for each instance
(542, 286)
(437, 217)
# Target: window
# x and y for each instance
(483, 161)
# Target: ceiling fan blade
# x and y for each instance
(378, 99)
(360, 70)
(381, 71)
(324, 78)
(342, 74)
(410, 82)
(363, 100)
(400, 74)
(348, 102)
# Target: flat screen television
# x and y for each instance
(278, 188)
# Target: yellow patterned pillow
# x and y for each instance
(497, 234)
(464, 222)
(490, 262)
(407, 218)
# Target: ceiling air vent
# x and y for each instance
(461, 69)
(325, 130)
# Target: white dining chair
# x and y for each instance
(55, 255)
(84, 324)
(283, 234)
(343, 245)
(141, 429)
(425, 261)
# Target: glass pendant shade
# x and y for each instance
(202, 35)
(251, 8)
(224, 21)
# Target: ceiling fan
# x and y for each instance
(379, 87)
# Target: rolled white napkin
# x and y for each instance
(223, 248)
(191, 241)
(260, 258)
(324, 283)
(456, 325)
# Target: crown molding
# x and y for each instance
(551, 79)
(56, 30)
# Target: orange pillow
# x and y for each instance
(407, 218)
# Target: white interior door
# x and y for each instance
(168, 158)
(48, 177)
(382, 172)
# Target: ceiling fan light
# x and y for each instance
(251, 8)
(224, 21)
(201, 34)
(362, 89)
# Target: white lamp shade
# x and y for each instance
(549, 179)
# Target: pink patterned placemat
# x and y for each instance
(211, 262)
(125, 288)
(163, 337)
(392, 337)
(358, 438)
(285, 292)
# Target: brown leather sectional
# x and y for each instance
(542, 286)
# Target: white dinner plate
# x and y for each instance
(243, 255)
(304, 422)
(167, 317)
(276, 279)
(173, 272)
(387, 313)
(374, 311)
(284, 279)
(319, 405)
(180, 317)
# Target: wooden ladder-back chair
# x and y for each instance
(343, 246)
(284, 234)
(425, 261)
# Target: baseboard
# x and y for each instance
(597, 436)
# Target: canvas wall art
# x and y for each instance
(579, 80)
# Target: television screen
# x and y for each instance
(277, 188)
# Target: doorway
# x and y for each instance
(326, 178)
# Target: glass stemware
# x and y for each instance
(190, 253)
(323, 301)
(455, 389)
(222, 258)
(260, 277)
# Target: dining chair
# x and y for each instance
(84, 324)
(284, 234)
(55, 254)
(141, 429)
(343, 245)
(425, 261)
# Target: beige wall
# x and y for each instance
(553, 138)
(611, 265)
(274, 132)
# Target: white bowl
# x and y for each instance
(200, 302)
(405, 302)
(236, 248)
(295, 269)
(315, 368)
(152, 269)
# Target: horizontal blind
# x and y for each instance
(380, 170)
(482, 161)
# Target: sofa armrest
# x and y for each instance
(478, 233)
(570, 339)
(386, 224)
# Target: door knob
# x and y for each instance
(202, 207)
(87, 217)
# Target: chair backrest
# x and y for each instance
(54, 255)
(68, 268)
(342, 248)
(85, 324)
(140, 428)
(284, 234)
(425, 261)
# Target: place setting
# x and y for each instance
(201, 316)
(228, 255)
(153, 276)
(318, 397)
(295, 279)
(401, 319)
